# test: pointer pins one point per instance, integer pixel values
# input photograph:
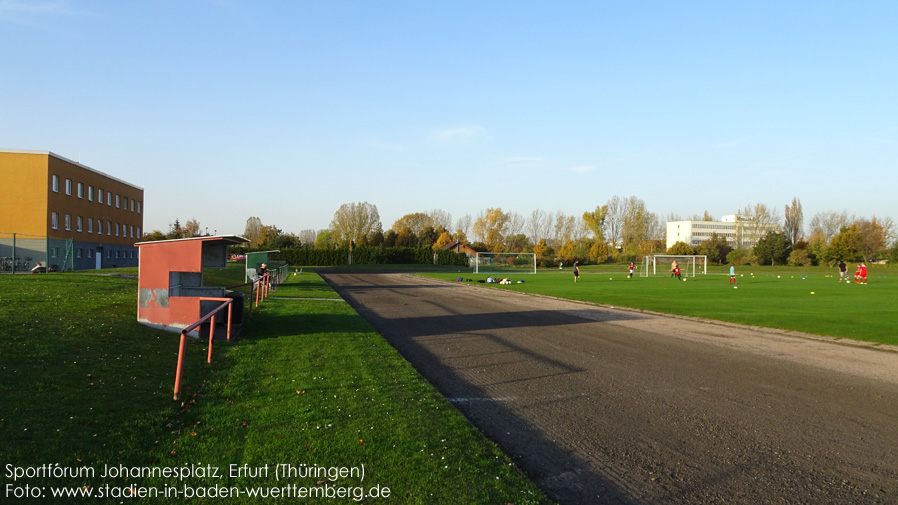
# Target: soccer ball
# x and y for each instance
(684, 280)
(735, 287)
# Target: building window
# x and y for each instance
(54, 252)
(99, 226)
(132, 205)
(109, 199)
(90, 225)
(80, 190)
(116, 229)
(125, 202)
(68, 187)
(55, 184)
(78, 252)
(108, 254)
(116, 254)
(68, 222)
(90, 253)
(138, 232)
(138, 207)
(108, 228)
(54, 221)
(131, 227)
(90, 193)
(78, 224)
(118, 200)
(100, 196)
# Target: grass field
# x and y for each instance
(806, 299)
(82, 386)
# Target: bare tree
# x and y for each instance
(657, 227)
(307, 237)
(539, 226)
(793, 220)
(828, 224)
(441, 218)
(463, 226)
(253, 230)
(754, 222)
(566, 229)
(515, 224)
(191, 229)
(614, 220)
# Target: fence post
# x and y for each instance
(181, 349)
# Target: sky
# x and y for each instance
(285, 110)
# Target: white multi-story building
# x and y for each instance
(739, 231)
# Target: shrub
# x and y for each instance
(799, 258)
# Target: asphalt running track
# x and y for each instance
(621, 407)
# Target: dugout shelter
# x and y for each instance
(170, 285)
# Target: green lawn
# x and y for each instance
(805, 299)
(82, 385)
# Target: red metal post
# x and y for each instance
(181, 349)
(211, 337)
(229, 320)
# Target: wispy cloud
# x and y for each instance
(10, 8)
(467, 133)
(27, 13)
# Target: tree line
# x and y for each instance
(622, 229)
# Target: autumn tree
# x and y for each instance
(490, 228)
(416, 222)
(353, 221)
(444, 238)
(636, 224)
(268, 235)
(595, 222)
(844, 246)
(872, 237)
(680, 249)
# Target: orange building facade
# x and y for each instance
(44, 194)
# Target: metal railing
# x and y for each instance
(260, 287)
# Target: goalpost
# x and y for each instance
(662, 265)
(504, 263)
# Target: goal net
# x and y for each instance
(663, 265)
(505, 263)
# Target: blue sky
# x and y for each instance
(285, 110)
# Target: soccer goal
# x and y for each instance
(663, 265)
(505, 263)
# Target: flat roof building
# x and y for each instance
(738, 231)
(46, 195)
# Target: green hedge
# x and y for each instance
(369, 255)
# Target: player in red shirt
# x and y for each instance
(863, 271)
